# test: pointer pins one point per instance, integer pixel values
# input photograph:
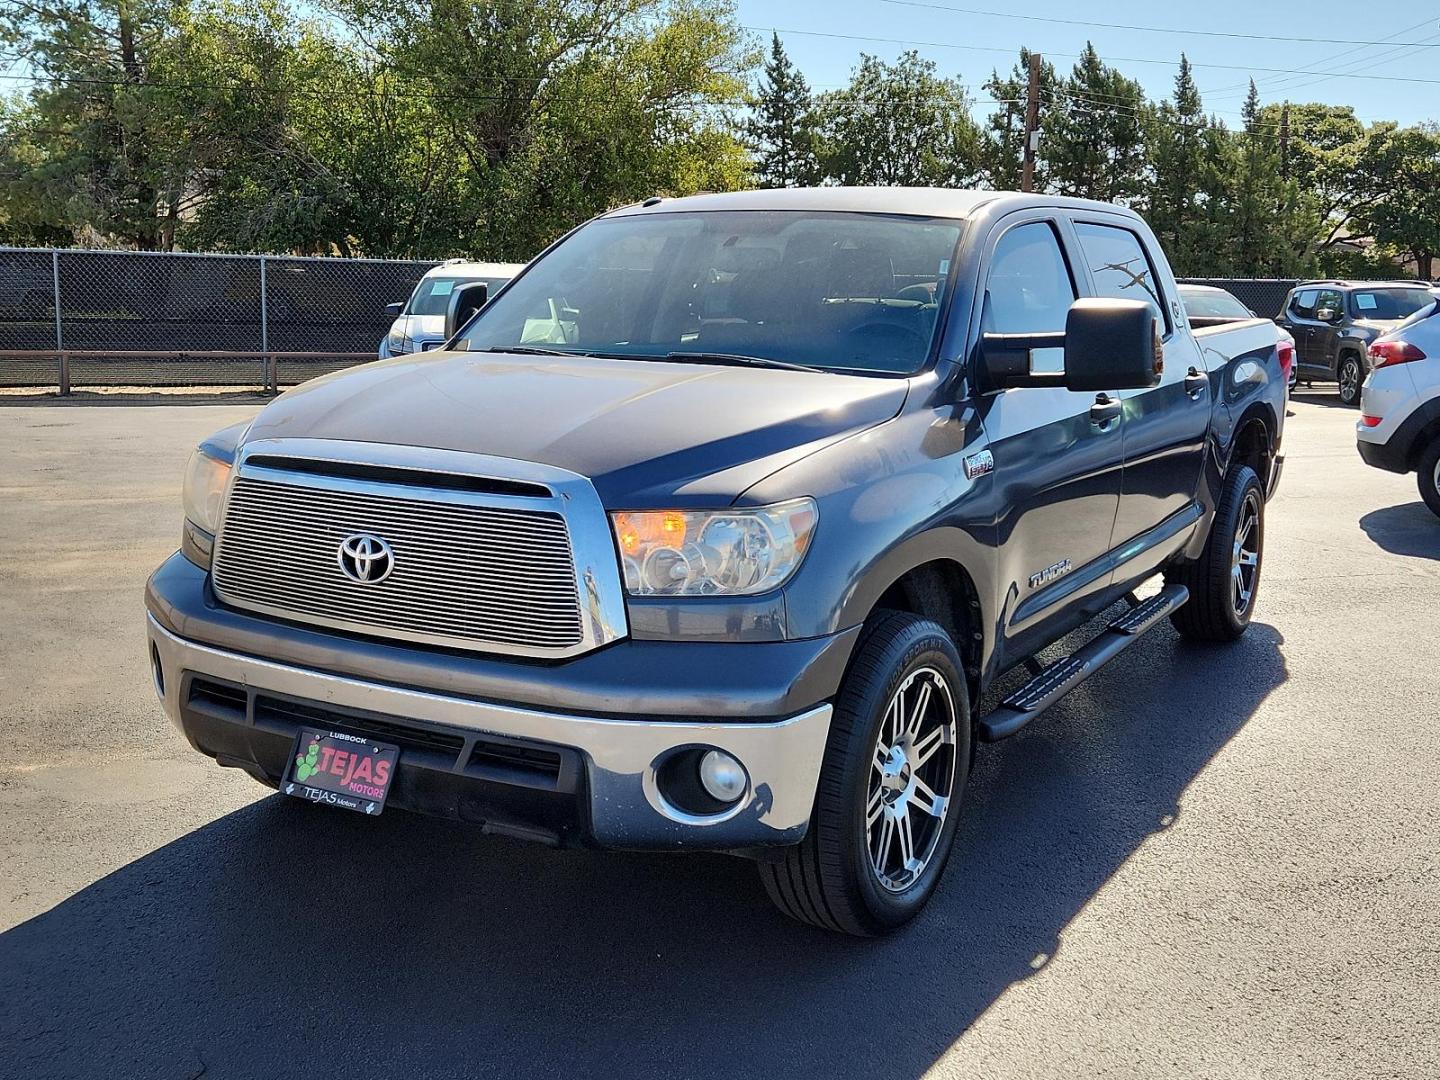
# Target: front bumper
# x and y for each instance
(559, 776)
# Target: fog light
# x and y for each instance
(722, 776)
(157, 669)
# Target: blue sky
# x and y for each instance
(993, 41)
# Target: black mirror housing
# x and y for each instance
(394, 310)
(1112, 345)
(465, 301)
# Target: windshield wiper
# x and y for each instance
(529, 350)
(737, 359)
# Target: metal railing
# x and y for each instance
(73, 318)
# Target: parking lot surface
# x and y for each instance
(1206, 862)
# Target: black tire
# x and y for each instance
(1214, 612)
(1350, 374)
(1428, 476)
(831, 879)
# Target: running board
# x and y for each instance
(1057, 680)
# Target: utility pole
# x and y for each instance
(1285, 141)
(1032, 124)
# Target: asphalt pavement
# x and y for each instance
(1207, 862)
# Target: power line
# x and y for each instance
(1324, 60)
(1117, 59)
(1142, 29)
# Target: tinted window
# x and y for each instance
(1030, 287)
(1120, 266)
(1426, 312)
(432, 295)
(1214, 304)
(1304, 303)
(1030, 290)
(1388, 303)
(1330, 300)
(854, 292)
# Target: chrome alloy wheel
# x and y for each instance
(1245, 560)
(1350, 379)
(912, 774)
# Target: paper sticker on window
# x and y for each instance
(1365, 301)
(442, 288)
(944, 267)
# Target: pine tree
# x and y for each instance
(1093, 134)
(1180, 145)
(781, 131)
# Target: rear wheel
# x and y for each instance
(1350, 377)
(1224, 581)
(890, 787)
(1428, 476)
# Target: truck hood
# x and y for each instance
(646, 432)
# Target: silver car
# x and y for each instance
(420, 321)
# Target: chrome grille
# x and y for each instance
(468, 574)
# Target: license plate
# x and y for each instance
(341, 770)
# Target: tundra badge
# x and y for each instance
(1049, 574)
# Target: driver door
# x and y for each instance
(1057, 465)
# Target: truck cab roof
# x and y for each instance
(958, 203)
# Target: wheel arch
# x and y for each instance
(1254, 441)
(942, 589)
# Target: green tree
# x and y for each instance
(1093, 134)
(108, 128)
(561, 109)
(899, 124)
(1399, 171)
(1179, 155)
(781, 131)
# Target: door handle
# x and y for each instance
(1196, 382)
(1105, 411)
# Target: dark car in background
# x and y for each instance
(1334, 322)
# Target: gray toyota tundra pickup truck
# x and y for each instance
(712, 529)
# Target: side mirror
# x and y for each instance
(1112, 345)
(393, 310)
(1109, 345)
(465, 301)
(1326, 314)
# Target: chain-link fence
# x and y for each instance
(124, 318)
(1264, 296)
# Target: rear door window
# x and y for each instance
(1120, 266)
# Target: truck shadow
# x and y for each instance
(1410, 529)
(284, 939)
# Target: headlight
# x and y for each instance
(205, 480)
(735, 552)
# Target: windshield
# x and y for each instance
(432, 295)
(1202, 303)
(834, 291)
(1389, 303)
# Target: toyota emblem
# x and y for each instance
(365, 558)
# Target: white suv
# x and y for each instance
(1399, 426)
(420, 321)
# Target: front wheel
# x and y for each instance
(1351, 376)
(1428, 476)
(1224, 581)
(890, 787)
